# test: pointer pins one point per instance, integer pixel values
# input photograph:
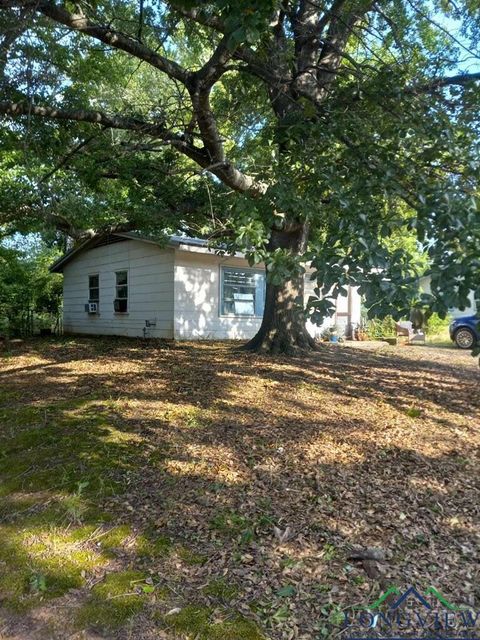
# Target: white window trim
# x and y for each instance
(220, 300)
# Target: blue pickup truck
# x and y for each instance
(465, 332)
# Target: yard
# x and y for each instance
(189, 491)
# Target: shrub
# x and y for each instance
(436, 325)
(377, 328)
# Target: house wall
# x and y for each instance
(454, 312)
(179, 289)
(197, 301)
(150, 290)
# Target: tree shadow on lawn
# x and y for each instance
(203, 374)
(180, 469)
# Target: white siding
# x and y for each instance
(150, 290)
(454, 312)
(197, 299)
(179, 289)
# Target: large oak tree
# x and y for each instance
(330, 132)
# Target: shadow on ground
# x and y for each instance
(143, 478)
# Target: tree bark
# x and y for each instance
(283, 328)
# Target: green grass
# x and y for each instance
(230, 523)
(152, 545)
(115, 600)
(220, 589)
(62, 448)
(413, 412)
(189, 556)
(57, 463)
(196, 622)
(42, 561)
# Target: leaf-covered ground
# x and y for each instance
(190, 491)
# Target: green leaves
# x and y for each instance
(26, 285)
(384, 173)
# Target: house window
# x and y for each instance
(121, 292)
(94, 288)
(243, 292)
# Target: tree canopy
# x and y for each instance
(343, 133)
(29, 293)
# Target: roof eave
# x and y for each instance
(57, 266)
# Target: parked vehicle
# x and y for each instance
(465, 332)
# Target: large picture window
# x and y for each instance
(121, 292)
(242, 292)
(94, 288)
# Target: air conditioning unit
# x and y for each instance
(92, 307)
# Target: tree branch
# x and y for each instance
(93, 117)
(307, 45)
(199, 16)
(340, 29)
(151, 129)
(63, 161)
(224, 170)
(438, 83)
(116, 39)
(19, 26)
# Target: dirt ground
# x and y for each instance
(154, 490)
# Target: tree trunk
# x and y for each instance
(283, 327)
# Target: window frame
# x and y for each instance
(224, 268)
(90, 288)
(117, 286)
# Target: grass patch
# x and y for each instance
(41, 562)
(413, 412)
(196, 622)
(56, 464)
(189, 556)
(153, 545)
(7, 395)
(220, 589)
(114, 601)
(115, 537)
(230, 523)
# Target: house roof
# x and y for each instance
(110, 238)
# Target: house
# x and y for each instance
(453, 312)
(128, 285)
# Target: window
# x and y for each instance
(121, 291)
(94, 288)
(243, 292)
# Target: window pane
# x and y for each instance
(93, 281)
(121, 277)
(94, 295)
(243, 292)
(120, 306)
(122, 292)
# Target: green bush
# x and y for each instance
(436, 325)
(382, 328)
(377, 328)
(30, 296)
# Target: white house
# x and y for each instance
(125, 284)
(453, 312)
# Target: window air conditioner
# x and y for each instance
(92, 307)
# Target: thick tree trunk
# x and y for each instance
(283, 326)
